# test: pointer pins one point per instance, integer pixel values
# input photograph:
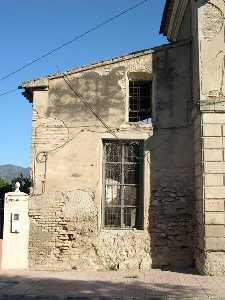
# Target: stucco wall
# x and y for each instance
(65, 211)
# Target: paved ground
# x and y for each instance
(77, 285)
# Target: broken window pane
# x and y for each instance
(140, 98)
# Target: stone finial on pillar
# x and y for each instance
(17, 186)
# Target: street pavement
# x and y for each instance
(77, 285)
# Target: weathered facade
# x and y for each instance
(65, 211)
(203, 23)
(121, 184)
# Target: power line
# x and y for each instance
(88, 105)
(50, 52)
(8, 92)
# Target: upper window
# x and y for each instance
(122, 173)
(140, 99)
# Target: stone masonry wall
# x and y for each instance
(211, 253)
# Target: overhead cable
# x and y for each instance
(88, 105)
(76, 38)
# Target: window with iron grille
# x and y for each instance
(140, 98)
(123, 184)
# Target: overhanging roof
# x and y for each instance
(41, 83)
(166, 16)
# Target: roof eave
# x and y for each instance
(29, 89)
(166, 17)
(44, 81)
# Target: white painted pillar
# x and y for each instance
(15, 231)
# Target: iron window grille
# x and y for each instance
(123, 184)
(140, 98)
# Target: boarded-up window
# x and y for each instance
(140, 99)
(122, 173)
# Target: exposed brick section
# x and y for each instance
(65, 235)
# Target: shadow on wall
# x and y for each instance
(46, 287)
(171, 211)
(171, 204)
(101, 91)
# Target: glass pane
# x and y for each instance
(130, 217)
(132, 152)
(113, 151)
(113, 173)
(112, 217)
(131, 195)
(112, 195)
(131, 174)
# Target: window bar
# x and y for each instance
(104, 186)
(122, 190)
(138, 102)
(141, 190)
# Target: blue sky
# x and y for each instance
(30, 27)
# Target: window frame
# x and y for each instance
(136, 80)
(140, 211)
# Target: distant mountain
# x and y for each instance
(9, 172)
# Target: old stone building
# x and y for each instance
(128, 154)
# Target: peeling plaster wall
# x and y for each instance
(65, 210)
(211, 45)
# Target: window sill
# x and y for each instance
(123, 230)
(137, 125)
